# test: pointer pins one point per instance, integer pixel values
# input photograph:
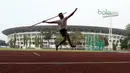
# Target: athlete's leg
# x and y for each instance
(64, 36)
(60, 43)
(68, 38)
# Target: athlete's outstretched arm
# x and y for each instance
(51, 22)
(72, 13)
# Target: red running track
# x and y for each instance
(29, 62)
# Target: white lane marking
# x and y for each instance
(36, 54)
(13, 55)
(123, 52)
(55, 63)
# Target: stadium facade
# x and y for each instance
(117, 34)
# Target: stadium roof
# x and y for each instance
(70, 28)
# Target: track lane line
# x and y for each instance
(55, 63)
(36, 54)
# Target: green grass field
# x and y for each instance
(16, 49)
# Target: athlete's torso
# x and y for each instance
(62, 23)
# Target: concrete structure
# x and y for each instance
(35, 31)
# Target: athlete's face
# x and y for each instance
(61, 15)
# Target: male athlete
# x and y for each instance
(62, 24)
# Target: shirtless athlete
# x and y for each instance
(62, 23)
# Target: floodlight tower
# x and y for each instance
(110, 15)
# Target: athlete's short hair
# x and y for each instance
(61, 15)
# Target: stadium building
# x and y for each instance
(20, 32)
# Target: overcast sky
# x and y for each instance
(16, 13)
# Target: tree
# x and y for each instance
(14, 41)
(29, 42)
(80, 37)
(37, 41)
(124, 43)
(25, 40)
(117, 44)
(41, 38)
(77, 38)
(2, 43)
(106, 41)
(73, 38)
(127, 30)
(114, 46)
(58, 39)
(11, 44)
(47, 35)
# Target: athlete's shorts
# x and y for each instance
(63, 32)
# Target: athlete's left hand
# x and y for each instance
(43, 21)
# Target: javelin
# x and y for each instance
(46, 20)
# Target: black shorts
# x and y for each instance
(63, 32)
